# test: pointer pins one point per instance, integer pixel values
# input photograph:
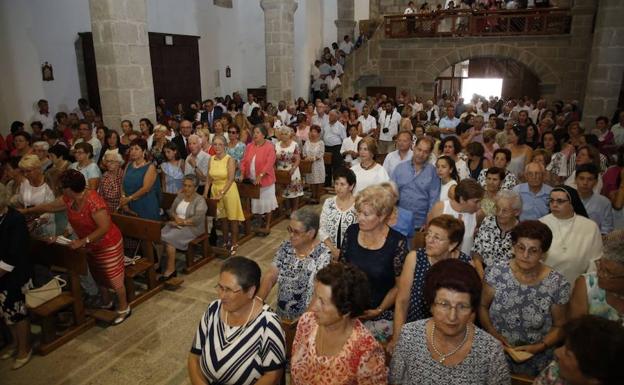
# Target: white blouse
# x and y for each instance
(365, 178)
(334, 222)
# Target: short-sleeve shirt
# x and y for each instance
(242, 355)
(492, 243)
(381, 266)
(91, 171)
(295, 279)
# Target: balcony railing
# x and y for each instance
(536, 21)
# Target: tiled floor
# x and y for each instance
(152, 346)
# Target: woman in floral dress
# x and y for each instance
(287, 159)
(314, 150)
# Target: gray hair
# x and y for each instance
(308, 217)
(194, 137)
(114, 154)
(5, 196)
(192, 177)
(613, 246)
(42, 144)
(511, 195)
(219, 136)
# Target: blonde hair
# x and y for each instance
(160, 127)
(30, 161)
(380, 198)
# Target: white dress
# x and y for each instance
(32, 196)
(444, 189)
(267, 201)
(575, 247)
(470, 225)
(365, 178)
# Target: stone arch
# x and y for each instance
(547, 76)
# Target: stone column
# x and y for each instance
(122, 59)
(604, 78)
(279, 35)
(346, 20)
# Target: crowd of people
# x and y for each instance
(462, 242)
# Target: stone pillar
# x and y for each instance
(346, 20)
(122, 59)
(279, 34)
(604, 78)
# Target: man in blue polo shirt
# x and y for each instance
(417, 182)
(534, 193)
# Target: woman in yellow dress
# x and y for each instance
(220, 178)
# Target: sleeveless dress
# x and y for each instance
(147, 206)
(106, 261)
(230, 205)
(470, 224)
(516, 165)
(173, 177)
(597, 300)
(285, 160)
(237, 152)
(316, 150)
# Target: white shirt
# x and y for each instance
(95, 143)
(181, 209)
(334, 134)
(365, 178)
(284, 116)
(338, 68)
(349, 144)
(618, 134)
(394, 158)
(416, 107)
(391, 122)
(570, 253)
(315, 72)
(486, 115)
(368, 123)
(409, 11)
(247, 108)
(46, 120)
(322, 122)
(359, 104)
(332, 83)
(346, 47)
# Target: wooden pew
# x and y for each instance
(148, 232)
(74, 263)
(282, 179)
(247, 192)
(208, 253)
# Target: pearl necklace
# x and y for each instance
(443, 357)
(241, 331)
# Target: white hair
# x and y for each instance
(114, 154)
(42, 144)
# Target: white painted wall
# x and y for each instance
(35, 31)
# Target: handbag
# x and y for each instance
(41, 295)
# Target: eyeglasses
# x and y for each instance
(460, 308)
(434, 237)
(295, 231)
(522, 249)
(557, 201)
(226, 290)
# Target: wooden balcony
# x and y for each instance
(535, 21)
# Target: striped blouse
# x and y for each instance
(240, 355)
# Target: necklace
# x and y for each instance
(443, 357)
(367, 167)
(564, 238)
(241, 331)
(305, 252)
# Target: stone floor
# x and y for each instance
(152, 346)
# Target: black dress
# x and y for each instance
(381, 266)
(15, 259)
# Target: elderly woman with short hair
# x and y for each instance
(379, 251)
(34, 191)
(287, 158)
(493, 240)
(83, 152)
(110, 188)
(16, 271)
(332, 346)
(524, 300)
(188, 221)
(601, 293)
(239, 339)
(448, 348)
(295, 264)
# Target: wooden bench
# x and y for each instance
(247, 192)
(192, 262)
(74, 263)
(379, 158)
(148, 232)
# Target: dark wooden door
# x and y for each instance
(175, 69)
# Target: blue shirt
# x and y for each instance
(334, 134)
(600, 211)
(417, 191)
(534, 206)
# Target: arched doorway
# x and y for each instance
(488, 76)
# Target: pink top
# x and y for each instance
(361, 361)
(265, 162)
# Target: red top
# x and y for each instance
(83, 223)
(265, 162)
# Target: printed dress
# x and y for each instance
(522, 313)
(315, 150)
(361, 360)
(296, 278)
(285, 159)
